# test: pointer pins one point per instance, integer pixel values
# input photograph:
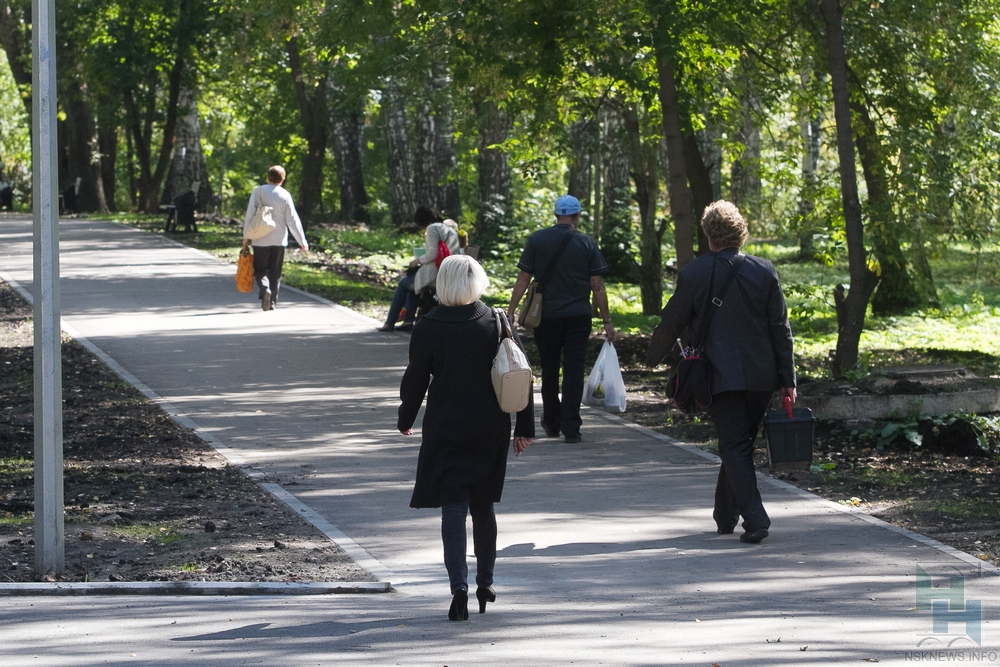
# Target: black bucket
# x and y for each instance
(790, 434)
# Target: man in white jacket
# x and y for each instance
(269, 250)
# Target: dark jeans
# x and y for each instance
(737, 416)
(403, 296)
(562, 342)
(484, 542)
(267, 263)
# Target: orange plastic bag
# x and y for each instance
(244, 271)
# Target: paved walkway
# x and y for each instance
(607, 549)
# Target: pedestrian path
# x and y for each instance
(607, 549)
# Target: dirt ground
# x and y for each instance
(147, 500)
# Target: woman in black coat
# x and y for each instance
(463, 454)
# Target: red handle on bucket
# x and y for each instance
(788, 407)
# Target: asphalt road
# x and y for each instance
(607, 549)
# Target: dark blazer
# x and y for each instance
(466, 436)
(749, 341)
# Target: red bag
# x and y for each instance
(442, 253)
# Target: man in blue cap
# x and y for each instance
(568, 267)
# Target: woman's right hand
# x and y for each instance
(520, 444)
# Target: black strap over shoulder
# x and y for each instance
(555, 259)
(713, 303)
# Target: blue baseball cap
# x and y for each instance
(567, 205)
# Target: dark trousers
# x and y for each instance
(484, 543)
(267, 262)
(403, 297)
(562, 342)
(737, 416)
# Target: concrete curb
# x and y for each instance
(984, 566)
(193, 588)
(354, 551)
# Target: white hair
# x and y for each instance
(460, 281)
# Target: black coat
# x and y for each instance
(466, 436)
(749, 340)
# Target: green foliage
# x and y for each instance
(15, 140)
(906, 432)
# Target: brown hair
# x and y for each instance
(723, 225)
(276, 175)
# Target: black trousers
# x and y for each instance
(737, 416)
(484, 543)
(562, 343)
(267, 263)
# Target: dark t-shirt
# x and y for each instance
(568, 290)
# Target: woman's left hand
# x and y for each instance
(408, 431)
(520, 444)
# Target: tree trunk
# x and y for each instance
(809, 128)
(312, 113)
(581, 161)
(15, 40)
(642, 158)
(616, 225)
(702, 189)
(401, 203)
(851, 305)
(107, 146)
(744, 176)
(677, 183)
(150, 179)
(425, 177)
(495, 179)
(187, 168)
(447, 166)
(347, 124)
(896, 292)
(78, 147)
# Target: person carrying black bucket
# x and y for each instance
(736, 300)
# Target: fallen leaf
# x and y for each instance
(773, 641)
(804, 648)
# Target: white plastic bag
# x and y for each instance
(605, 387)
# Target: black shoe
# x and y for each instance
(725, 530)
(485, 595)
(549, 431)
(459, 610)
(573, 438)
(386, 328)
(265, 300)
(754, 536)
(407, 326)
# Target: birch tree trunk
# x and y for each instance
(616, 224)
(401, 203)
(425, 177)
(809, 129)
(494, 174)
(744, 175)
(449, 199)
(347, 125)
(851, 304)
(187, 169)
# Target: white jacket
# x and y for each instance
(427, 274)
